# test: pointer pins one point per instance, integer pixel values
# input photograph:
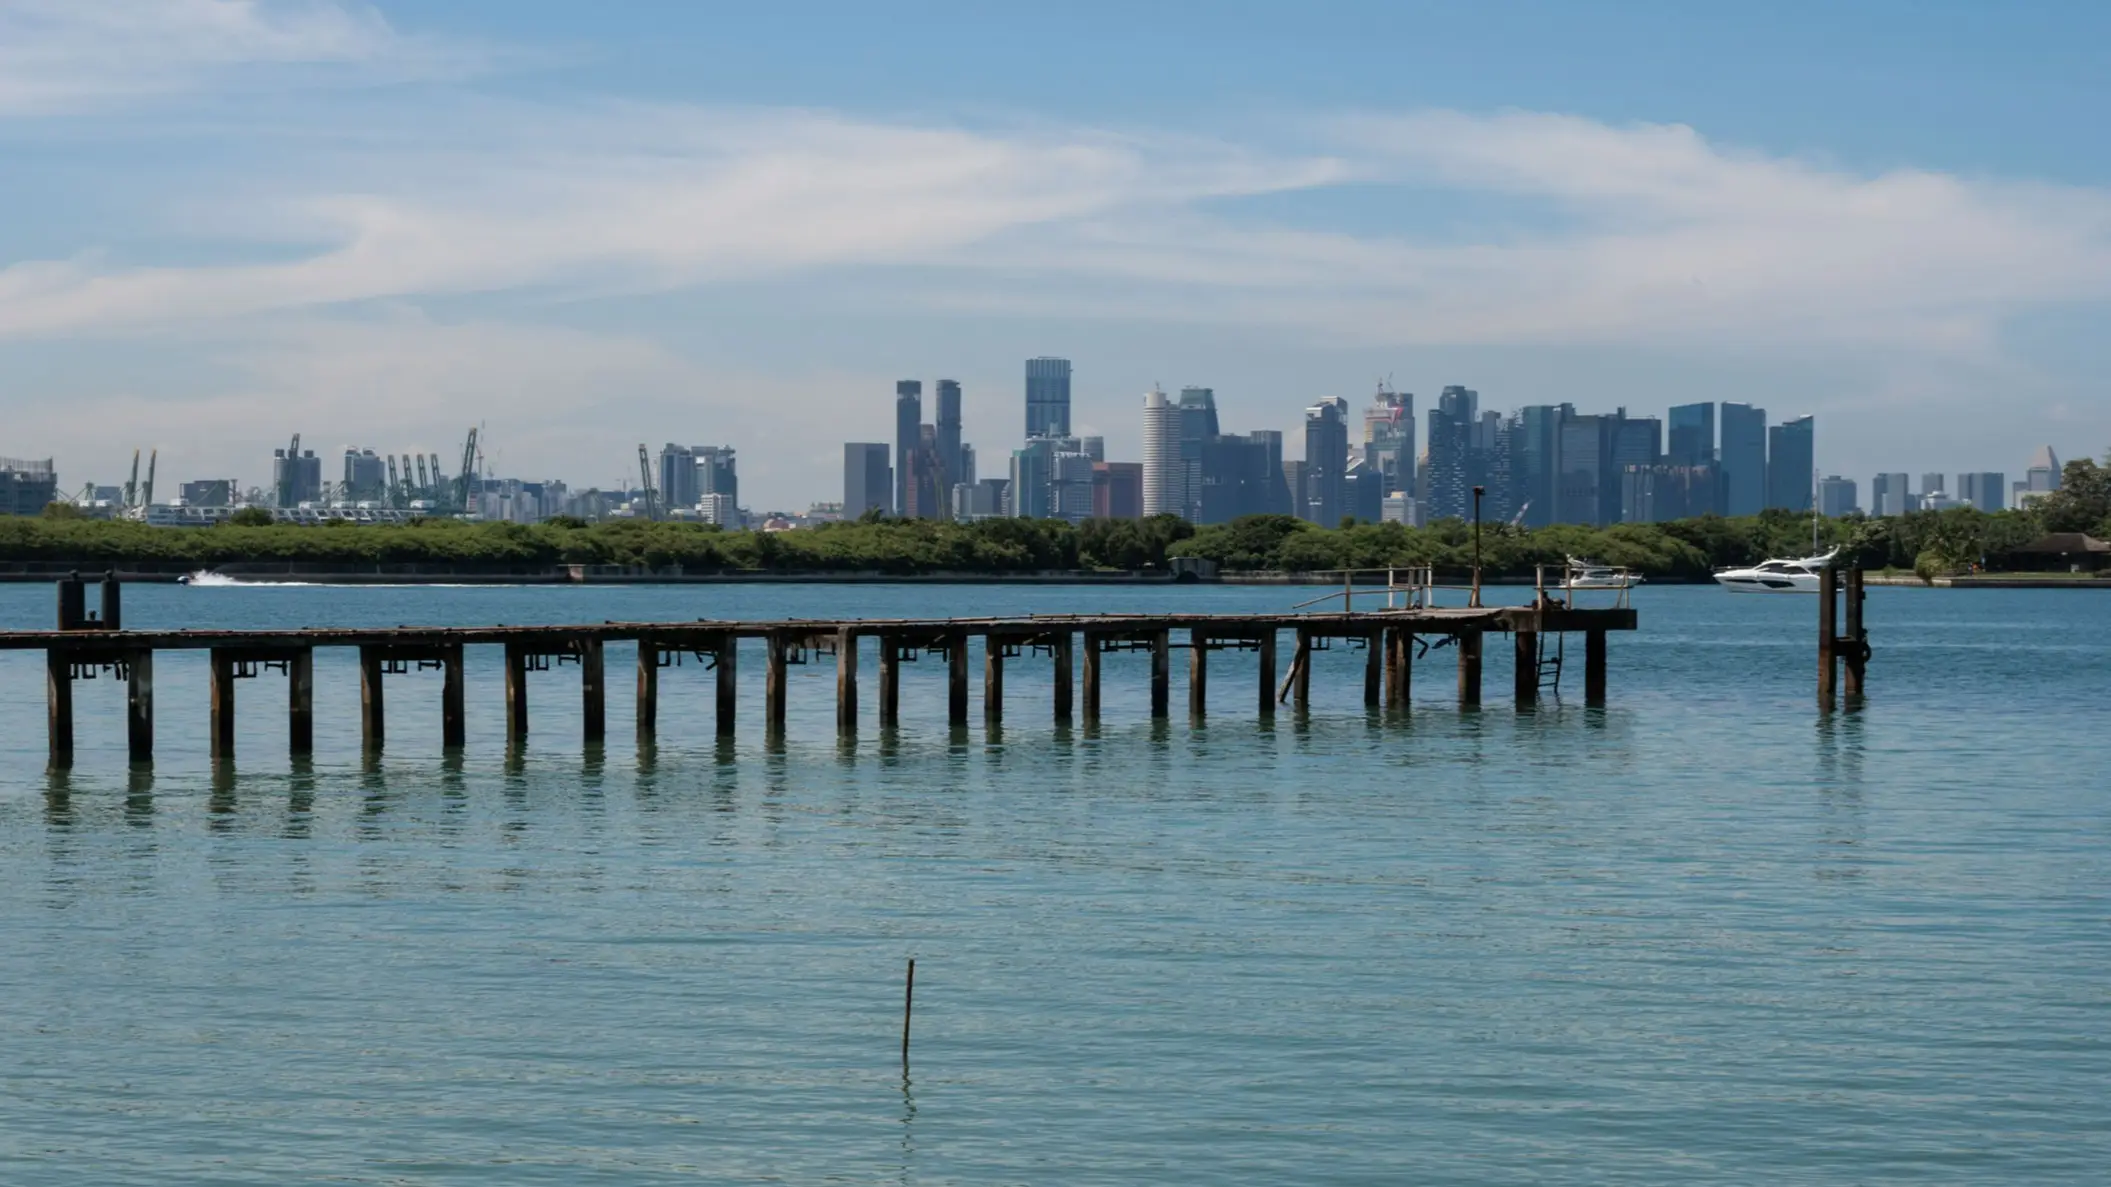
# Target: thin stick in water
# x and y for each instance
(908, 999)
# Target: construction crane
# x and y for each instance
(146, 495)
(393, 485)
(468, 474)
(652, 502)
(1519, 518)
(132, 483)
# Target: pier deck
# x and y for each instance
(1390, 637)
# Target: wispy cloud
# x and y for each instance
(70, 55)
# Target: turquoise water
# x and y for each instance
(1703, 934)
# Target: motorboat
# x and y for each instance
(1777, 576)
(1584, 574)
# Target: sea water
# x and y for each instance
(1702, 934)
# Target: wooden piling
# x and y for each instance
(992, 678)
(1524, 676)
(1060, 648)
(300, 702)
(957, 678)
(890, 681)
(1092, 654)
(1594, 667)
(1374, 669)
(648, 713)
(1854, 644)
(1828, 633)
(516, 692)
(726, 665)
(371, 716)
(1301, 669)
(454, 695)
(1161, 674)
(846, 680)
(1266, 663)
(774, 675)
(139, 706)
(1197, 673)
(1469, 668)
(593, 695)
(58, 700)
(220, 691)
(1396, 644)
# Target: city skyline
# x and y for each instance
(375, 224)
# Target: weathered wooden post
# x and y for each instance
(113, 606)
(221, 691)
(516, 692)
(1301, 670)
(1092, 654)
(300, 702)
(58, 699)
(593, 695)
(1855, 643)
(1060, 647)
(1266, 663)
(846, 680)
(372, 719)
(1197, 672)
(1469, 668)
(454, 697)
(1828, 634)
(1524, 677)
(726, 665)
(648, 714)
(1594, 666)
(992, 678)
(890, 681)
(774, 692)
(957, 678)
(1161, 673)
(139, 705)
(1374, 668)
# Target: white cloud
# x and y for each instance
(66, 55)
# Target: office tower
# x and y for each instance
(1326, 457)
(908, 437)
(1587, 445)
(1073, 481)
(1889, 495)
(1164, 477)
(716, 473)
(947, 422)
(1093, 447)
(1117, 490)
(1033, 470)
(1242, 475)
(1983, 489)
(296, 480)
(27, 486)
(1275, 491)
(1792, 464)
(1452, 425)
(1932, 483)
(1692, 435)
(2044, 471)
(965, 475)
(1047, 397)
(1664, 492)
(1294, 485)
(1363, 493)
(1744, 459)
(923, 486)
(677, 476)
(985, 499)
(365, 475)
(1836, 496)
(1637, 441)
(1389, 438)
(1535, 447)
(1198, 424)
(868, 479)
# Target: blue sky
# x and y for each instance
(590, 225)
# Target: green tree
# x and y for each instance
(2083, 502)
(251, 517)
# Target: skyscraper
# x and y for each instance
(1744, 459)
(1389, 438)
(1836, 496)
(1164, 475)
(1792, 464)
(716, 473)
(950, 466)
(1889, 495)
(1326, 457)
(678, 476)
(1535, 444)
(1047, 397)
(1452, 425)
(908, 437)
(2044, 471)
(1198, 424)
(1587, 469)
(868, 481)
(1692, 435)
(1933, 483)
(1983, 489)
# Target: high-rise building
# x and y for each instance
(365, 475)
(678, 486)
(2043, 473)
(1983, 489)
(1198, 424)
(1535, 448)
(1692, 435)
(1047, 397)
(296, 480)
(1792, 464)
(1033, 472)
(868, 479)
(1363, 493)
(1889, 494)
(27, 486)
(1664, 492)
(1837, 497)
(1242, 475)
(925, 485)
(1275, 497)
(1933, 483)
(1452, 427)
(1637, 441)
(1326, 457)
(1587, 470)
(1389, 438)
(1117, 490)
(948, 426)
(716, 473)
(1744, 459)
(908, 438)
(1164, 474)
(209, 492)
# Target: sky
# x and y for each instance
(586, 226)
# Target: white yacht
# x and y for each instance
(1777, 576)
(1584, 574)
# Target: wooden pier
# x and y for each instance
(1390, 640)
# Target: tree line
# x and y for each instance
(1928, 542)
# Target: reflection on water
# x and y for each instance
(1702, 932)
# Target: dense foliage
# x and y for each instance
(1927, 542)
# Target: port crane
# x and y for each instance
(468, 473)
(652, 501)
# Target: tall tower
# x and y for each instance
(1164, 475)
(908, 438)
(1047, 397)
(1326, 459)
(1744, 441)
(951, 470)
